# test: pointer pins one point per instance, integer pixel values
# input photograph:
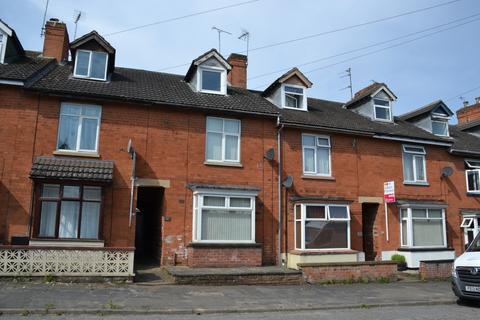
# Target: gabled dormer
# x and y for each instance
(93, 57)
(374, 102)
(208, 73)
(10, 46)
(433, 118)
(289, 91)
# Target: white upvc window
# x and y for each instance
(471, 227)
(2, 45)
(91, 65)
(316, 150)
(382, 109)
(472, 176)
(440, 128)
(322, 227)
(414, 167)
(423, 227)
(294, 97)
(79, 127)
(212, 80)
(222, 140)
(224, 217)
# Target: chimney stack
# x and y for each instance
(238, 75)
(56, 42)
(469, 113)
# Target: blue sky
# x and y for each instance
(441, 66)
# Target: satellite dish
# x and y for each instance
(447, 171)
(288, 182)
(270, 154)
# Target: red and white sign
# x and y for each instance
(389, 191)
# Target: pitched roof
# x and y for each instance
(25, 67)
(426, 109)
(72, 169)
(330, 115)
(367, 92)
(141, 86)
(287, 75)
(204, 57)
(464, 142)
(93, 35)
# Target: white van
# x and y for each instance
(466, 272)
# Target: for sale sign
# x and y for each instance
(389, 191)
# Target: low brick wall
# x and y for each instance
(224, 256)
(435, 269)
(348, 271)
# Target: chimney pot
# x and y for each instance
(238, 75)
(477, 100)
(465, 103)
(56, 42)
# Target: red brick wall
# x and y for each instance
(435, 269)
(469, 113)
(56, 43)
(333, 272)
(224, 256)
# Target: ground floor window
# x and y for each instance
(68, 211)
(471, 227)
(322, 226)
(224, 218)
(422, 227)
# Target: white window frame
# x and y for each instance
(474, 166)
(409, 219)
(447, 133)
(198, 206)
(473, 226)
(224, 134)
(304, 106)
(223, 79)
(303, 218)
(329, 147)
(89, 65)
(375, 106)
(3, 46)
(416, 154)
(79, 128)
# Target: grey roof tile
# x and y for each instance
(464, 142)
(72, 169)
(24, 68)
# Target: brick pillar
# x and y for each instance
(238, 75)
(56, 42)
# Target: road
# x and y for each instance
(436, 312)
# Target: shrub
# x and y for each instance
(398, 258)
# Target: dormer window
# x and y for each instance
(382, 109)
(293, 97)
(440, 128)
(212, 80)
(91, 65)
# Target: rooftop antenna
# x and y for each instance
(78, 14)
(220, 31)
(42, 33)
(245, 36)
(348, 73)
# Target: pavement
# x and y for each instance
(30, 298)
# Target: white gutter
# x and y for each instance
(446, 144)
(12, 82)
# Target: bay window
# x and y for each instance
(223, 140)
(422, 227)
(322, 226)
(78, 127)
(316, 155)
(472, 175)
(68, 211)
(414, 168)
(224, 218)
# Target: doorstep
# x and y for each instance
(237, 275)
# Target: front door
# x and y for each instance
(369, 213)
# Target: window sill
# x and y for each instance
(473, 194)
(298, 109)
(313, 177)
(66, 243)
(224, 245)
(421, 184)
(223, 164)
(307, 252)
(76, 154)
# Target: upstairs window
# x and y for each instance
(91, 65)
(440, 128)
(212, 80)
(78, 127)
(223, 140)
(316, 155)
(382, 109)
(472, 175)
(414, 164)
(294, 97)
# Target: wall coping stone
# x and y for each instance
(223, 245)
(320, 252)
(347, 264)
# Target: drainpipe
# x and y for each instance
(279, 148)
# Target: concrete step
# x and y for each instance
(241, 276)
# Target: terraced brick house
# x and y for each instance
(105, 167)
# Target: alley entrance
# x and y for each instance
(148, 225)
(369, 213)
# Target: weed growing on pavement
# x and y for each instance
(383, 280)
(48, 307)
(112, 306)
(49, 278)
(25, 313)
